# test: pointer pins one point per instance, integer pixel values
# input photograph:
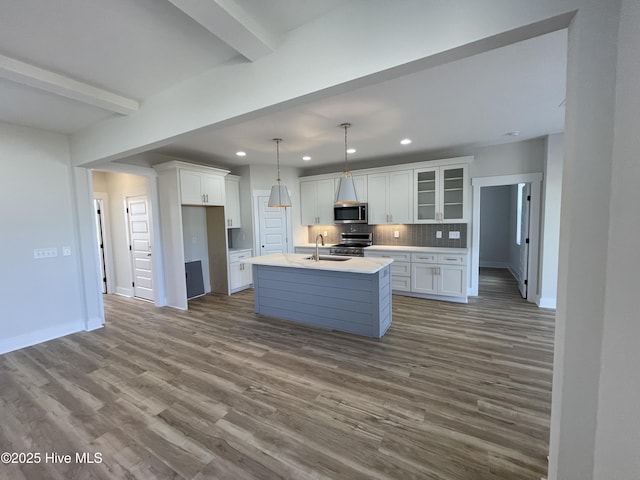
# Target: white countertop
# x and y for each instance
(300, 260)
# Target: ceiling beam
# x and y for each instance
(48, 81)
(232, 24)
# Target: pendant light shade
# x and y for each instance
(279, 196)
(346, 192)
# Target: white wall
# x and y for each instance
(41, 299)
(509, 159)
(617, 442)
(495, 211)
(583, 260)
(551, 203)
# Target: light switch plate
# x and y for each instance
(455, 235)
(438, 233)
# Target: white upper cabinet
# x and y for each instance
(316, 202)
(198, 188)
(213, 189)
(390, 197)
(190, 188)
(441, 194)
(232, 205)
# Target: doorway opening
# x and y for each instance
(506, 231)
(504, 235)
(125, 234)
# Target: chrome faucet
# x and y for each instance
(317, 256)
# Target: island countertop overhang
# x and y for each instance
(365, 265)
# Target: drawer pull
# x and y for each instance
(452, 259)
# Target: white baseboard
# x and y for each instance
(39, 336)
(124, 291)
(489, 264)
(93, 324)
(546, 302)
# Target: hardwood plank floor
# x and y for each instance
(452, 392)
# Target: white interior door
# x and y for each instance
(272, 226)
(524, 241)
(140, 246)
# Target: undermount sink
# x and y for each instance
(331, 258)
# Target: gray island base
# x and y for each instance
(351, 296)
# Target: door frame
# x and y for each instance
(256, 222)
(106, 240)
(535, 179)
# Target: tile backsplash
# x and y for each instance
(418, 235)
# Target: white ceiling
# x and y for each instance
(125, 51)
(474, 101)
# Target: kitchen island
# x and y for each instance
(352, 295)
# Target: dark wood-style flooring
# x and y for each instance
(452, 392)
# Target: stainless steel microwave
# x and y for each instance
(350, 213)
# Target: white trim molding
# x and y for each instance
(39, 336)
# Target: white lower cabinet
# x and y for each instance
(452, 281)
(424, 278)
(426, 273)
(240, 274)
(400, 268)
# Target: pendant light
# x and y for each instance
(346, 192)
(279, 194)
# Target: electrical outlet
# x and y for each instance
(438, 233)
(39, 253)
(454, 235)
(396, 234)
(66, 251)
(324, 234)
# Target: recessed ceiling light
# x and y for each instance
(405, 141)
(306, 158)
(241, 154)
(515, 133)
(351, 150)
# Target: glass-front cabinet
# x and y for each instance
(441, 194)
(426, 186)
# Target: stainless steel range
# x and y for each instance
(352, 244)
